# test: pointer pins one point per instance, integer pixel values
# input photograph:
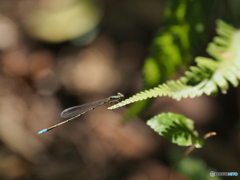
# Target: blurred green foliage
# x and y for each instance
(69, 20)
(183, 34)
(195, 169)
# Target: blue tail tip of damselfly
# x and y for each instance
(42, 131)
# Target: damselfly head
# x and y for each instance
(121, 96)
(117, 98)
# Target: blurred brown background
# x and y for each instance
(59, 53)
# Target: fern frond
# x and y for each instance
(208, 75)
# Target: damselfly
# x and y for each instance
(76, 111)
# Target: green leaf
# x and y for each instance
(176, 128)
